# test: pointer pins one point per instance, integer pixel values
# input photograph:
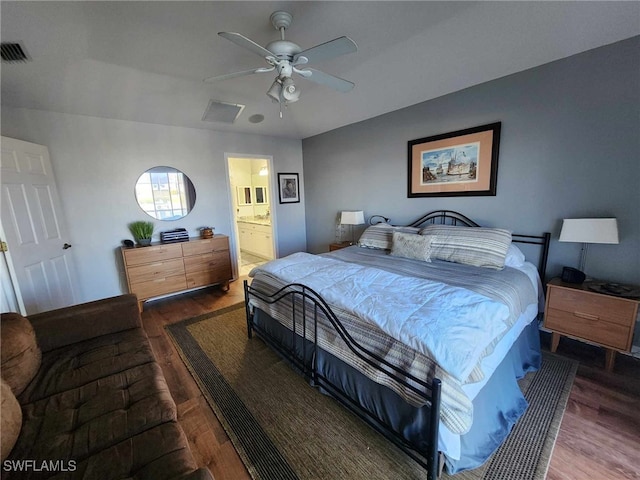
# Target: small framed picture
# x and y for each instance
(288, 187)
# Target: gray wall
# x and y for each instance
(569, 148)
(97, 161)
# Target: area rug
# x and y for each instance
(284, 429)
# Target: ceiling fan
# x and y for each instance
(284, 57)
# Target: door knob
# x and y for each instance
(65, 246)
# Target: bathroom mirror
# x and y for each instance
(165, 193)
(261, 196)
(244, 196)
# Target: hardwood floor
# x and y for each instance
(599, 436)
(600, 431)
(209, 442)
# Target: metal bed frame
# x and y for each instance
(309, 305)
(449, 217)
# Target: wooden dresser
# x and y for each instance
(168, 268)
(576, 311)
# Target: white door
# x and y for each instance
(34, 226)
(8, 296)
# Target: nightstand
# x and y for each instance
(576, 311)
(338, 246)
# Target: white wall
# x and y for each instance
(97, 161)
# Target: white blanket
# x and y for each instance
(450, 324)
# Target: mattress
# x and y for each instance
(515, 292)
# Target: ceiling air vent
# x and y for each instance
(13, 53)
(222, 112)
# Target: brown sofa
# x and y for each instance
(92, 402)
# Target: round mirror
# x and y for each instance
(165, 193)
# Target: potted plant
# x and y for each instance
(142, 232)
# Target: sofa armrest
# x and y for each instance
(65, 326)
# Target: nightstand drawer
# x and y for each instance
(592, 306)
(578, 311)
(589, 327)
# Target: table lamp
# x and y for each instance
(352, 218)
(586, 231)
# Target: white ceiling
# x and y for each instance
(145, 61)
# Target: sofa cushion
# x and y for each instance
(10, 420)
(83, 421)
(160, 453)
(19, 352)
(81, 363)
(65, 326)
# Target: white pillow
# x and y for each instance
(515, 257)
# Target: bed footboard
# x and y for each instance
(308, 308)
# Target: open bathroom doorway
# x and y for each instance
(250, 180)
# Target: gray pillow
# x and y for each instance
(409, 245)
(380, 235)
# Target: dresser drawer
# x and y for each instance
(207, 268)
(592, 306)
(206, 261)
(588, 327)
(208, 277)
(205, 246)
(159, 286)
(137, 256)
(156, 271)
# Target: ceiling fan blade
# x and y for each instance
(247, 43)
(331, 49)
(322, 78)
(218, 78)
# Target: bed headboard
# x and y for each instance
(449, 217)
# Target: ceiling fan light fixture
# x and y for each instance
(275, 90)
(290, 91)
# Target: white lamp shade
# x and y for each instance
(274, 91)
(589, 230)
(352, 218)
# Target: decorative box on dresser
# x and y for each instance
(169, 268)
(577, 311)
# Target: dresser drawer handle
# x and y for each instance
(586, 316)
